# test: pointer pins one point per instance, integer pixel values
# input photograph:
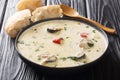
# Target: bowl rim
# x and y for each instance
(64, 18)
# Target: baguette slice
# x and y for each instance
(17, 22)
(52, 11)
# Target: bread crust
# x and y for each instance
(52, 11)
(17, 22)
(29, 4)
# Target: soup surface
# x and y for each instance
(61, 43)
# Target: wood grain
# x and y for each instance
(3, 4)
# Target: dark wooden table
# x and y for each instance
(106, 12)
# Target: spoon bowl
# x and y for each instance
(70, 12)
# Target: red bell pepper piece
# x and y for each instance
(84, 35)
(58, 41)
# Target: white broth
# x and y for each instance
(61, 43)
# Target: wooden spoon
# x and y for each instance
(68, 11)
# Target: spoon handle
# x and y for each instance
(109, 30)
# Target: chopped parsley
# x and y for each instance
(67, 37)
(65, 24)
(73, 58)
(63, 58)
(35, 43)
(21, 42)
(94, 40)
(27, 44)
(90, 44)
(89, 50)
(41, 46)
(35, 29)
(87, 26)
(97, 50)
(37, 50)
(55, 65)
(94, 31)
(84, 61)
(65, 28)
(39, 58)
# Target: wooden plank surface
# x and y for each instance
(107, 12)
(3, 4)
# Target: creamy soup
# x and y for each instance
(61, 43)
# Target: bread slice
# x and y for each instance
(17, 22)
(45, 12)
(28, 4)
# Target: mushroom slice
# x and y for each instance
(53, 30)
(76, 57)
(86, 44)
(47, 58)
(52, 58)
(80, 55)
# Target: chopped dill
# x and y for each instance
(37, 50)
(65, 28)
(94, 31)
(21, 42)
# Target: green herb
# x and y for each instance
(65, 24)
(73, 58)
(27, 44)
(63, 58)
(55, 65)
(42, 46)
(34, 43)
(65, 28)
(89, 50)
(87, 26)
(94, 31)
(39, 58)
(21, 42)
(36, 50)
(67, 37)
(97, 50)
(94, 40)
(84, 61)
(90, 44)
(35, 30)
